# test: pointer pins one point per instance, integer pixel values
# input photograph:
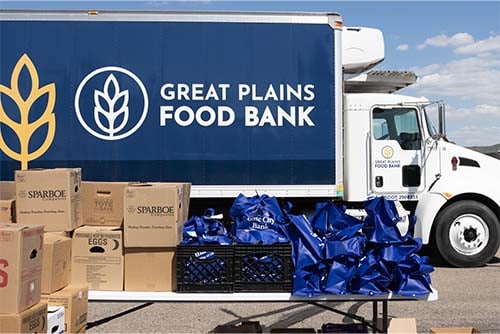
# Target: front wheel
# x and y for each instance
(467, 234)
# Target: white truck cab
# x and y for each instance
(392, 149)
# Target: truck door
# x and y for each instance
(396, 153)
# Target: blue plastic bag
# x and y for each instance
(411, 277)
(204, 230)
(308, 281)
(340, 274)
(372, 277)
(307, 255)
(258, 220)
(398, 252)
(380, 223)
(331, 221)
(353, 247)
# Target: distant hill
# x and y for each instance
(493, 150)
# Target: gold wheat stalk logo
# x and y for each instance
(24, 130)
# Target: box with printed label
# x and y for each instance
(74, 298)
(102, 203)
(21, 253)
(7, 211)
(55, 320)
(97, 257)
(50, 197)
(32, 320)
(56, 271)
(153, 215)
(150, 269)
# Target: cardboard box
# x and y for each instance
(21, 253)
(7, 190)
(7, 211)
(55, 320)
(153, 215)
(400, 325)
(74, 298)
(7, 202)
(97, 257)
(454, 330)
(32, 320)
(102, 203)
(150, 269)
(50, 197)
(186, 198)
(56, 271)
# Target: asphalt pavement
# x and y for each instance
(468, 297)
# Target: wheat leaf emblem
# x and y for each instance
(24, 130)
(111, 103)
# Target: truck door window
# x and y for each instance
(400, 124)
(380, 128)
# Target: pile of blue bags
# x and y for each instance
(332, 252)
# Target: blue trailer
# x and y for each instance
(212, 98)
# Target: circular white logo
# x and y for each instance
(111, 103)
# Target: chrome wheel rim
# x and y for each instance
(469, 234)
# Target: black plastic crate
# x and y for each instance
(293, 330)
(205, 268)
(263, 268)
(344, 328)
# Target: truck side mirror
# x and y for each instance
(442, 119)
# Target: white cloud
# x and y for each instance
(491, 44)
(442, 40)
(421, 46)
(402, 47)
(470, 82)
(472, 77)
(480, 110)
(475, 135)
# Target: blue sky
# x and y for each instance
(454, 47)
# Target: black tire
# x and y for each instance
(443, 244)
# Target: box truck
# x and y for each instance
(278, 103)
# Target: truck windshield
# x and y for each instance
(430, 126)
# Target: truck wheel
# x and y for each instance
(467, 234)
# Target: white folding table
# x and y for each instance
(242, 297)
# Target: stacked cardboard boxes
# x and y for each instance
(129, 235)
(51, 197)
(154, 214)
(74, 298)
(21, 256)
(57, 291)
(97, 258)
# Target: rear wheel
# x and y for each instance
(467, 234)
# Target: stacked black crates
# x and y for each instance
(259, 268)
(205, 268)
(238, 268)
